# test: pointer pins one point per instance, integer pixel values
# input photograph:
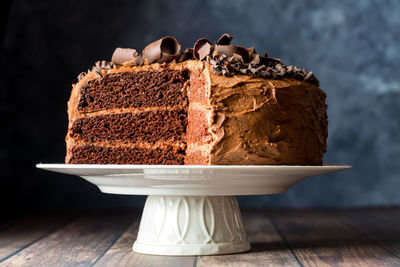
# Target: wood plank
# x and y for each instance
(18, 233)
(79, 243)
(267, 246)
(121, 254)
(322, 239)
(382, 225)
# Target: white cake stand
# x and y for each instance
(191, 210)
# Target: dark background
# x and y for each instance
(352, 46)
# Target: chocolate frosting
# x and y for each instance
(294, 115)
(293, 112)
(249, 120)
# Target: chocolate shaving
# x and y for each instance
(258, 70)
(225, 39)
(204, 51)
(255, 59)
(259, 66)
(308, 76)
(185, 55)
(289, 69)
(81, 75)
(225, 72)
(228, 50)
(224, 58)
(127, 56)
(271, 62)
(102, 64)
(98, 72)
(236, 58)
(202, 48)
(251, 51)
(162, 50)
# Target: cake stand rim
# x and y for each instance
(191, 180)
(137, 166)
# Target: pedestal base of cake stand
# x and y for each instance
(191, 225)
(191, 210)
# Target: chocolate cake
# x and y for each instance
(215, 104)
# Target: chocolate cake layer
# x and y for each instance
(134, 89)
(90, 154)
(145, 126)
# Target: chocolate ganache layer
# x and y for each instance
(210, 104)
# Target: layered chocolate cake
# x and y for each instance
(214, 104)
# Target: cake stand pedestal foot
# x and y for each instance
(191, 225)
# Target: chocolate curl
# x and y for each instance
(225, 39)
(255, 60)
(185, 55)
(103, 64)
(126, 56)
(81, 75)
(267, 61)
(97, 72)
(257, 71)
(236, 58)
(229, 50)
(202, 48)
(214, 54)
(162, 50)
(251, 51)
(308, 76)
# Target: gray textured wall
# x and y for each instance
(352, 46)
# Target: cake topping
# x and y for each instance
(202, 48)
(163, 50)
(185, 55)
(225, 39)
(230, 50)
(127, 56)
(81, 75)
(224, 58)
(97, 72)
(99, 65)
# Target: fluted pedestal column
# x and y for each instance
(191, 225)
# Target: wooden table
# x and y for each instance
(358, 237)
